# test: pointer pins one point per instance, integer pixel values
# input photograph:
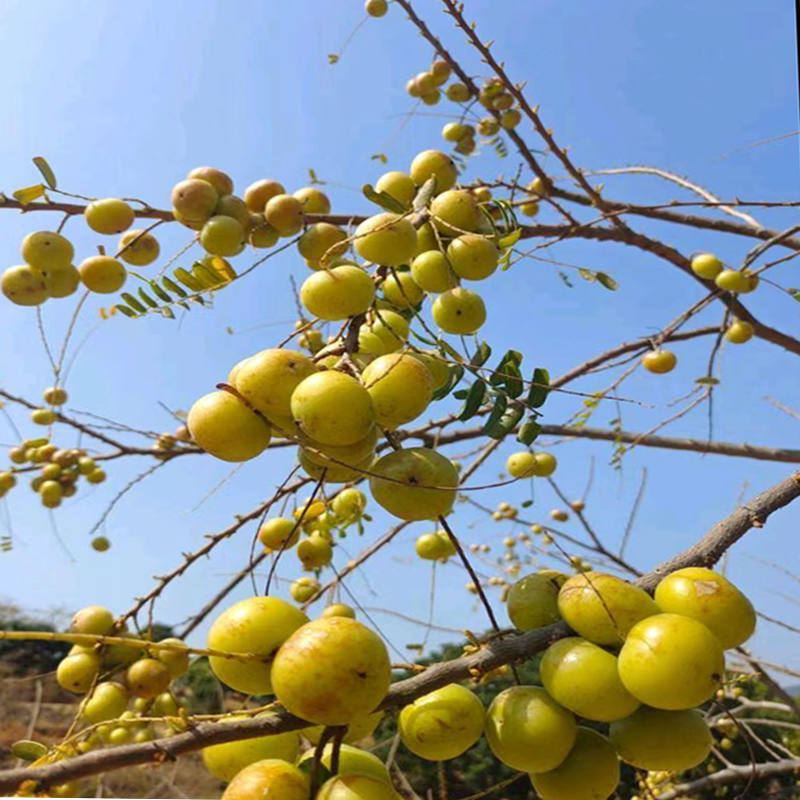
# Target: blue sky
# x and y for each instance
(124, 99)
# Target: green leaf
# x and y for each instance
(159, 292)
(708, 381)
(423, 339)
(510, 240)
(526, 503)
(795, 293)
(333, 58)
(167, 312)
(473, 401)
(173, 287)
(587, 274)
(383, 199)
(188, 280)
(449, 350)
(28, 750)
(498, 377)
(312, 177)
(481, 355)
(30, 193)
(539, 390)
(133, 302)
(46, 170)
(528, 432)
(456, 373)
(513, 382)
(128, 312)
(146, 297)
(461, 394)
(606, 280)
(379, 157)
(506, 423)
(425, 193)
(500, 406)
(207, 276)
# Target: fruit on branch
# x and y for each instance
(285, 213)
(339, 610)
(314, 200)
(710, 598)
(603, 608)
(390, 327)
(541, 187)
(43, 416)
(258, 194)
(473, 257)
(530, 208)
(528, 465)
(338, 293)
(414, 484)
(434, 163)
(662, 740)
(434, 546)
(456, 131)
(427, 239)
(108, 700)
(533, 601)
(459, 311)
(258, 625)
(331, 671)
(399, 185)
(267, 779)
(671, 662)
(77, 673)
(279, 533)
(527, 730)
(147, 677)
(101, 544)
(424, 83)
(176, 659)
(315, 552)
(24, 285)
(401, 388)
(352, 760)
(47, 251)
(659, 361)
(441, 71)
(583, 678)
(223, 236)
(458, 93)
(432, 273)
(322, 239)
(455, 212)
(62, 282)
(706, 266)
(401, 290)
(738, 282)
(488, 126)
(739, 332)
(360, 728)
(303, 589)
(262, 234)
(510, 118)
(194, 201)
(108, 216)
(93, 619)
(339, 460)
(102, 274)
(387, 239)
(222, 182)
(443, 724)
(226, 428)
(352, 786)
(231, 206)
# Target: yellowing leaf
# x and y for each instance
(29, 193)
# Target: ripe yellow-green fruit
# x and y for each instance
(285, 213)
(352, 760)
(194, 200)
(710, 598)
(488, 126)
(432, 273)
(510, 118)
(424, 83)
(671, 662)
(267, 380)
(258, 625)
(436, 364)
(148, 677)
(108, 700)
(659, 361)
(732, 280)
(414, 484)
(530, 209)
(279, 533)
(331, 671)
(268, 779)
(78, 672)
(589, 772)
(455, 131)
(55, 396)
(223, 236)
(62, 282)
(176, 660)
(533, 601)
(358, 730)
(353, 786)
(109, 216)
(119, 736)
(51, 493)
(93, 619)
(144, 249)
(458, 93)
(583, 678)
(707, 266)
(455, 212)
(399, 185)
(473, 257)
(165, 705)
(322, 239)
(739, 332)
(520, 465)
(314, 201)
(603, 608)
(459, 311)
(441, 71)
(339, 610)
(541, 187)
(96, 476)
(401, 388)
(337, 457)
(262, 234)
(315, 552)
(349, 504)
(220, 180)
(401, 290)
(527, 730)
(43, 416)
(338, 293)
(386, 239)
(502, 101)
(427, 239)
(47, 251)
(226, 428)
(434, 163)
(225, 761)
(376, 8)
(304, 589)
(102, 274)
(443, 724)
(662, 740)
(391, 328)
(258, 194)
(333, 408)
(24, 285)
(433, 547)
(231, 206)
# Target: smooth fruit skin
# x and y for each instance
(322, 239)
(671, 662)
(220, 180)
(93, 619)
(77, 673)
(62, 282)
(257, 625)
(659, 361)
(533, 601)
(431, 547)
(194, 200)
(352, 760)
(432, 273)
(333, 408)
(732, 280)
(177, 660)
(399, 185)
(584, 678)
(338, 457)
(102, 274)
(527, 730)
(662, 740)
(226, 428)
(410, 492)
(332, 671)
(270, 779)
(279, 533)
(356, 787)
(430, 163)
(144, 250)
(303, 589)
(109, 216)
(285, 213)
(706, 266)
(391, 328)
(387, 239)
(401, 388)
(710, 598)
(47, 250)
(148, 678)
(24, 285)
(314, 552)
(376, 8)
(338, 293)
(258, 194)
(436, 364)
(603, 608)
(401, 290)
(223, 236)
(314, 200)
(739, 332)
(339, 610)
(459, 311)
(520, 465)
(443, 724)
(360, 728)
(455, 212)
(473, 257)
(107, 701)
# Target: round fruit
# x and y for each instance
(268, 779)
(414, 484)
(322, 240)
(107, 701)
(315, 552)
(659, 361)
(603, 608)
(432, 547)
(707, 266)
(231, 206)
(138, 248)
(352, 786)
(441, 71)
(662, 740)
(331, 671)
(339, 610)
(93, 619)
(434, 163)
(732, 280)
(352, 760)
(533, 601)
(401, 388)
(226, 428)
(349, 504)
(710, 598)
(109, 216)
(458, 93)
(432, 272)
(436, 364)
(62, 282)
(258, 625)
(220, 180)
(258, 194)
(455, 212)
(338, 457)
(338, 293)
(671, 662)
(473, 257)
(530, 209)
(285, 213)
(739, 332)
(77, 673)
(527, 730)
(24, 285)
(148, 677)
(401, 290)
(387, 239)
(47, 251)
(303, 589)
(279, 533)
(510, 118)
(443, 724)
(456, 131)
(589, 772)
(102, 274)
(223, 236)
(459, 311)
(262, 234)
(399, 186)
(583, 678)
(376, 8)
(176, 660)
(194, 200)
(391, 328)
(314, 201)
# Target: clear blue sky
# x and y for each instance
(124, 99)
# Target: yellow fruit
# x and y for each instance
(455, 212)
(144, 249)
(671, 662)
(739, 332)
(340, 457)
(434, 163)
(391, 328)
(62, 282)
(262, 234)
(226, 428)
(331, 671)
(659, 361)
(47, 251)
(527, 730)
(589, 772)
(338, 293)
(223, 236)
(304, 589)
(662, 740)
(285, 213)
(93, 619)
(258, 194)
(148, 677)
(194, 201)
(234, 207)
(401, 388)
(107, 701)
(459, 311)
(432, 273)
(24, 285)
(322, 239)
(258, 625)
(436, 364)
(603, 608)
(583, 678)
(358, 730)
(399, 186)
(109, 216)
(414, 484)
(387, 239)
(707, 266)
(510, 119)
(102, 274)
(732, 280)
(458, 93)
(443, 724)
(530, 209)
(339, 610)
(528, 465)
(77, 673)
(401, 290)
(533, 601)
(314, 552)
(441, 71)
(352, 786)
(314, 201)
(376, 8)
(176, 660)
(432, 547)
(473, 257)
(352, 760)
(710, 598)
(279, 533)
(216, 177)
(267, 780)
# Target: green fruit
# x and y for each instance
(391, 328)
(488, 126)
(707, 266)
(62, 282)
(432, 547)
(100, 543)
(194, 200)
(231, 206)
(659, 361)
(217, 178)
(138, 248)
(739, 332)
(456, 131)
(279, 533)
(258, 194)
(176, 659)
(401, 388)
(399, 186)
(314, 201)
(432, 273)
(732, 280)
(459, 311)
(458, 93)
(352, 760)
(268, 779)
(107, 701)
(303, 589)
(47, 251)
(455, 212)
(262, 234)
(102, 274)
(322, 239)
(533, 601)
(285, 213)
(436, 364)
(77, 673)
(353, 786)
(315, 552)
(428, 239)
(434, 163)
(473, 257)
(339, 610)
(338, 293)
(402, 291)
(521, 465)
(51, 494)
(24, 285)
(349, 504)
(387, 239)
(510, 119)
(109, 216)
(96, 476)
(529, 209)
(223, 236)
